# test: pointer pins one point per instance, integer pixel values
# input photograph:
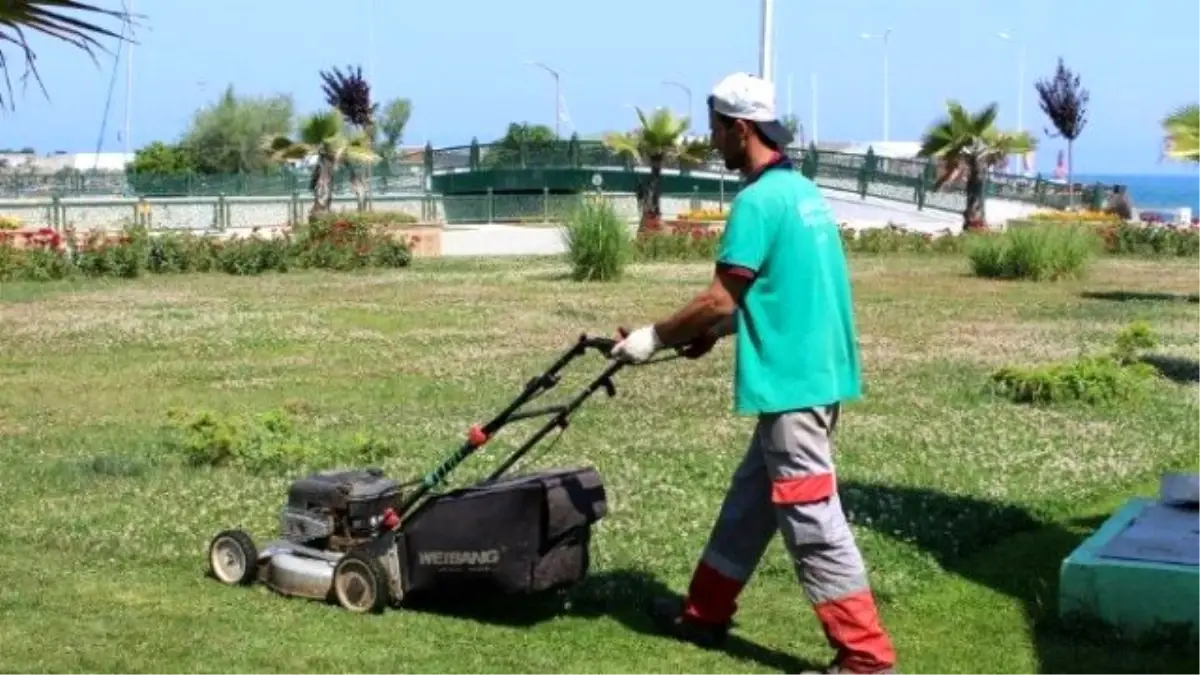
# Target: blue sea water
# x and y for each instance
(1156, 193)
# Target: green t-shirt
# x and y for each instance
(796, 344)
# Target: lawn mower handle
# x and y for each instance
(478, 435)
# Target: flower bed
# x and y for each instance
(1163, 218)
(694, 240)
(1082, 216)
(1134, 239)
(676, 240)
(704, 215)
(337, 242)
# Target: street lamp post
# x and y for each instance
(371, 42)
(1003, 35)
(886, 97)
(686, 90)
(814, 108)
(557, 92)
(766, 42)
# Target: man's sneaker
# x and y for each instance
(668, 617)
(836, 669)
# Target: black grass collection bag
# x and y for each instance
(518, 534)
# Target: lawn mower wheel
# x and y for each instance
(233, 558)
(360, 583)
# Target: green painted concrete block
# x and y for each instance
(1136, 596)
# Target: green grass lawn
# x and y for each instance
(964, 505)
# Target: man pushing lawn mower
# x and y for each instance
(782, 288)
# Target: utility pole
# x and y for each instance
(371, 43)
(1004, 35)
(814, 108)
(129, 90)
(886, 98)
(766, 41)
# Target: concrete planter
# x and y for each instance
(423, 239)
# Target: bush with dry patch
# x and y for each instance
(1035, 253)
(896, 239)
(262, 443)
(1100, 379)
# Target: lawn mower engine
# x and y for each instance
(343, 539)
(337, 510)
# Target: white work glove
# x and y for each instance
(638, 346)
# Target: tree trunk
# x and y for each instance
(1070, 173)
(653, 206)
(358, 184)
(322, 186)
(649, 196)
(370, 170)
(974, 195)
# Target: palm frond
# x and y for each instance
(985, 119)
(319, 127)
(662, 132)
(962, 140)
(1182, 133)
(50, 18)
(357, 150)
(625, 143)
(696, 151)
(283, 149)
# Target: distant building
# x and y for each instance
(889, 149)
(51, 164)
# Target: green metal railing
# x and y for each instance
(243, 213)
(869, 175)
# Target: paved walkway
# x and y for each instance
(469, 240)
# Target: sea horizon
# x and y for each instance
(1156, 192)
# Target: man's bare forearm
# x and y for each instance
(700, 316)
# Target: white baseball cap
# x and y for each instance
(747, 97)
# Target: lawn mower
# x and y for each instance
(358, 538)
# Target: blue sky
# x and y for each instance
(464, 65)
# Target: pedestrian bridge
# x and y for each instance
(860, 186)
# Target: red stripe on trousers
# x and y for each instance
(802, 489)
(852, 627)
(712, 596)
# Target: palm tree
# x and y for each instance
(323, 135)
(50, 18)
(967, 145)
(658, 139)
(350, 94)
(1182, 133)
